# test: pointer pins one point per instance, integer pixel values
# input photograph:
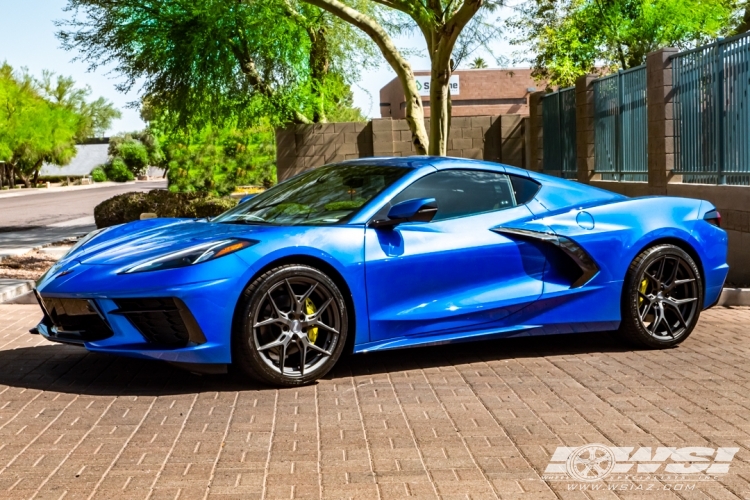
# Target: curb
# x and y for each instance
(39, 247)
(734, 297)
(14, 193)
(13, 291)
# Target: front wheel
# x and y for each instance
(662, 297)
(293, 327)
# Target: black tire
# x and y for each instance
(662, 297)
(274, 326)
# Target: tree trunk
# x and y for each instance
(2, 174)
(745, 24)
(320, 61)
(414, 110)
(439, 102)
(439, 112)
(12, 174)
(26, 180)
(36, 172)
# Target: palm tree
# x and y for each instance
(478, 63)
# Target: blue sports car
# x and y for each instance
(385, 253)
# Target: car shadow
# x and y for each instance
(478, 352)
(69, 369)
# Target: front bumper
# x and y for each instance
(171, 316)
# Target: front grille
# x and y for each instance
(163, 321)
(76, 320)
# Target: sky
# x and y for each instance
(27, 39)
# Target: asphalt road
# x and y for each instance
(37, 210)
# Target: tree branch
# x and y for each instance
(460, 19)
(415, 112)
(248, 68)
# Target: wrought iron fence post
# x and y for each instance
(560, 132)
(719, 110)
(619, 128)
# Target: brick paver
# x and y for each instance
(472, 421)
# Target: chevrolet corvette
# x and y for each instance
(387, 253)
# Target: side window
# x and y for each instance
(524, 188)
(462, 192)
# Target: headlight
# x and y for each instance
(193, 255)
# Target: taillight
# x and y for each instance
(713, 217)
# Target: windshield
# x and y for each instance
(326, 195)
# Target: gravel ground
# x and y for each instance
(32, 265)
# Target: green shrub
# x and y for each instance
(129, 206)
(211, 207)
(117, 171)
(217, 160)
(98, 175)
(135, 156)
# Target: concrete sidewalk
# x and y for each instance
(13, 289)
(12, 193)
(21, 242)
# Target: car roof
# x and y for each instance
(439, 162)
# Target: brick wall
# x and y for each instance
(493, 138)
(483, 92)
(303, 147)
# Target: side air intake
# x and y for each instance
(575, 259)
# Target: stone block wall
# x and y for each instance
(500, 139)
(660, 99)
(303, 147)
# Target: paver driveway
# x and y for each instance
(477, 420)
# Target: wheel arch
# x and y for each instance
(322, 266)
(681, 244)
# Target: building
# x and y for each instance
(87, 158)
(473, 92)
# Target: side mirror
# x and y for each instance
(245, 198)
(416, 210)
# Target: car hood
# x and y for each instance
(142, 240)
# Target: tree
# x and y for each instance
(271, 57)
(40, 122)
(33, 129)
(478, 63)
(95, 117)
(573, 37)
(441, 23)
(222, 61)
(216, 160)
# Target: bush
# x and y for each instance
(98, 175)
(217, 160)
(135, 156)
(129, 206)
(117, 171)
(211, 207)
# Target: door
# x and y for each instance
(452, 274)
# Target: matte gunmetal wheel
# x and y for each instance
(293, 328)
(662, 297)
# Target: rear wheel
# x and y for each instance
(662, 297)
(293, 328)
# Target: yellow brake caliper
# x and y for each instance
(644, 286)
(310, 309)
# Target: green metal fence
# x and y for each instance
(711, 116)
(559, 123)
(620, 126)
